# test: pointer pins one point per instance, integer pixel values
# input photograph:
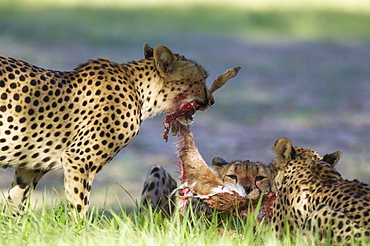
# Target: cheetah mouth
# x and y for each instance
(184, 115)
(243, 207)
(265, 207)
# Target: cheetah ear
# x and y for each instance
(148, 51)
(219, 164)
(332, 158)
(284, 152)
(164, 59)
(218, 161)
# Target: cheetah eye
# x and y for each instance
(232, 176)
(259, 178)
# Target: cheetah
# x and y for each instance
(80, 119)
(314, 199)
(157, 191)
(254, 177)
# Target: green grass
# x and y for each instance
(55, 226)
(116, 22)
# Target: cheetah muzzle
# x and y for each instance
(185, 114)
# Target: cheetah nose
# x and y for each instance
(248, 189)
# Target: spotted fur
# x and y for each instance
(157, 190)
(79, 120)
(314, 199)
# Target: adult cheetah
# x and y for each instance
(80, 119)
(314, 199)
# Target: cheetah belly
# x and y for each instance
(28, 143)
(30, 154)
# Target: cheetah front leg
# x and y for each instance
(79, 174)
(80, 167)
(25, 180)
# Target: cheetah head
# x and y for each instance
(183, 89)
(253, 176)
(184, 83)
(294, 158)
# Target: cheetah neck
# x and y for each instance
(148, 87)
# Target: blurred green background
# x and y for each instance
(305, 75)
